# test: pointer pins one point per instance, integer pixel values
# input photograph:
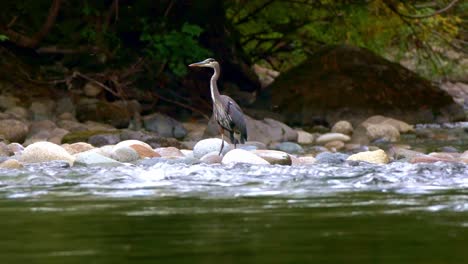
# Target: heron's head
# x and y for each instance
(211, 63)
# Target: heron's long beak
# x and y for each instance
(197, 64)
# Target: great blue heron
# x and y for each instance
(226, 111)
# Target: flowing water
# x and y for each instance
(177, 213)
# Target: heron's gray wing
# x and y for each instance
(236, 114)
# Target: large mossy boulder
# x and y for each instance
(343, 82)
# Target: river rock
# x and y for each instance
(130, 142)
(45, 151)
(342, 127)
(187, 153)
(330, 158)
(124, 154)
(93, 158)
(65, 106)
(78, 147)
(335, 145)
(304, 137)
(266, 131)
(102, 111)
(18, 112)
(13, 130)
(401, 126)
(4, 150)
(350, 83)
(151, 138)
(289, 147)
(164, 125)
(464, 157)
(169, 152)
(195, 130)
(15, 148)
(323, 139)
(92, 89)
(383, 132)
(104, 139)
(144, 152)
(274, 156)
(377, 156)
(11, 164)
(72, 125)
(208, 145)
(42, 109)
(8, 101)
(404, 153)
(242, 156)
(211, 158)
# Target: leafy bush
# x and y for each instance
(175, 48)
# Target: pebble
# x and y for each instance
(289, 147)
(342, 127)
(304, 137)
(208, 145)
(11, 164)
(331, 158)
(93, 158)
(169, 152)
(274, 156)
(45, 151)
(325, 138)
(211, 158)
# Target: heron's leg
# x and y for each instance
(222, 141)
(232, 138)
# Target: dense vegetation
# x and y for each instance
(123, 44)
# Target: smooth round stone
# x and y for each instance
(243, 156)
(289, 147)
(448, 149)
(304, 137)
(187, 153)
(15, 148)
(331, 158)
(335, 145)
(382, 132)
(342, 127)
(208, 145)
(256, 144)
(376, 157)
(211, 158)
(404, 153)
(125, 154)
(11, 164)
(144, 152)
(77, 147)
(169, 152)
(274, 156)
(325, 138)
(45, 151)
(93, 158)
(131, 142)
(4, 150)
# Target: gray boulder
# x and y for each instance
(164, 125)
(13, 130)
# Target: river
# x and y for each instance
(177, 213)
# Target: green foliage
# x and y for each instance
(175, 48)
(283, 33)
(3, 38)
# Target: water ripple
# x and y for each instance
(242, 180)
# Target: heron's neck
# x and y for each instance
(214, 86)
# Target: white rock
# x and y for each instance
(274, 156)
(343, 127)
(128, 143)
(45, 151)
(304, 137)
(125, 154)
(211, 158)
(208, 145)
(377, 156)
(243, 156)
(325, 138)
(93, 158)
